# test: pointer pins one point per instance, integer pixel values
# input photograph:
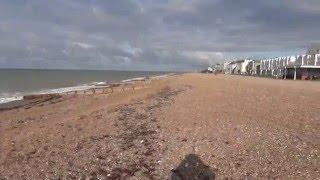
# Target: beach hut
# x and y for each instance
(298, 61)
(256, 67)
(236, 67)
(245, 66)
(304, 59)
(317, 60)
(227, 67)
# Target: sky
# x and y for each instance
(164, 35)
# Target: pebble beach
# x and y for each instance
(237, 127)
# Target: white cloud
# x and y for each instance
(83, 45)
(204, 56)
(129, 49)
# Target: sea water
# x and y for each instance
(14, 83)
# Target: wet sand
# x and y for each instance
(234, 126)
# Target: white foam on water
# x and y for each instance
(134, 79)
(162, 76)
(9, 99)
(99, 83)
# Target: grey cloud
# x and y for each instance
(261, 24)
(150, 34)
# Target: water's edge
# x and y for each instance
(19, 96)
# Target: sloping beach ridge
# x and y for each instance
(170, 127)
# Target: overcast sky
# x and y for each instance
(151, 34)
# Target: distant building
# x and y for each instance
(293, 67)
(305, 66)
(227, 67)
(253, 67)
(236, 67)
(246, 66)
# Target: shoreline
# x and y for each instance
(103, 87)
(16, 83)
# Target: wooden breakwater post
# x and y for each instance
(31, 100)
(41, 96)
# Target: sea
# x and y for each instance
(15, 83)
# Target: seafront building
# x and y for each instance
(291, 67)
(243, 67)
